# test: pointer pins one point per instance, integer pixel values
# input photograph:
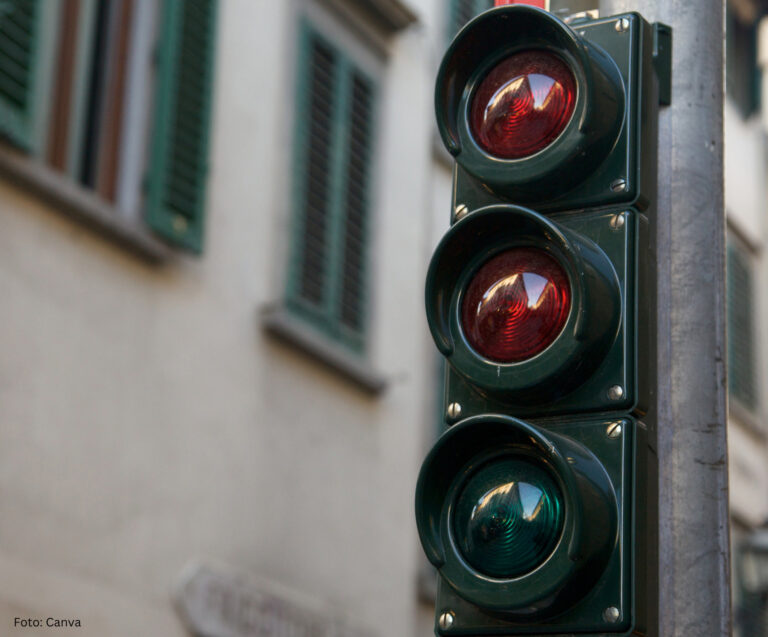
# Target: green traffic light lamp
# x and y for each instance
(523, 522)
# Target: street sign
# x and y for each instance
(217, 600)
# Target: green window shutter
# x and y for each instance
(742, 72)
(19, 39)
(352, 300)
(740, 316)
(333, 146)
(462, 11)
(315, 126)
(179, 162)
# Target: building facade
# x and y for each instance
(216, 370)
(747, 303)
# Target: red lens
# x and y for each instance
(516, 305)
(523, 104)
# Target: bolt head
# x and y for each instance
(622, 25)
(617, 221)
(619, 185)
(614, 429)
(454, 411)
(460, 211)
(616, 392)
(611, 614)
(447, 619)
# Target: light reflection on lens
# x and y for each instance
(508, 517)
(523, 104)
(516, 305)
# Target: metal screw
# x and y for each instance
(617, 221)
(616, 392)
(611, 614)
(622, 25)
(454, 411)
(460, 211)
(446, 620)
(614, 429)
(620, 185)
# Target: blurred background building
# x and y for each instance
(216, 380)
(746, 197)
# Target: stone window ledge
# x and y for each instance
(80, 204)
(278, 322)
(393, 14)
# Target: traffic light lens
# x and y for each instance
(523, 104)
(516, 305)
(509, 517)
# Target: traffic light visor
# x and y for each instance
(523, 308)
(517, 520)
(524, 103)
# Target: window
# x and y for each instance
(332, 183)
(19, 33)
(462, 11)
(115, 96)
(740, 315)
(742, 73)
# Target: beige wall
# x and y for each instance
(145, 417)
(745, 200)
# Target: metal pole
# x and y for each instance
(694, 582)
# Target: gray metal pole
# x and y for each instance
(694, 595)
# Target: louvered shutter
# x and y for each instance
(334, 121)
(315, 129)
(178, 167)
(741, 345)
(742, 72)
(356, 204)
(19, 34)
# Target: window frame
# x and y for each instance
(351, 59)
(364, 39)
(137, 213)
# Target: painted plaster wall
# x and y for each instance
(745, 198)
(147, 419)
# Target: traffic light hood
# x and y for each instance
(589, 330)
(589, 135)
(589, 531)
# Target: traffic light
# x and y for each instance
(537, 503)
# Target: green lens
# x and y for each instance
(508, 517)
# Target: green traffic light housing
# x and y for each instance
(597, 292)
(520, 521)
(589, 155)
(537, 505)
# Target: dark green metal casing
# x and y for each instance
(596, 160)
(582, 409)
(593, 353)
(577, 584)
